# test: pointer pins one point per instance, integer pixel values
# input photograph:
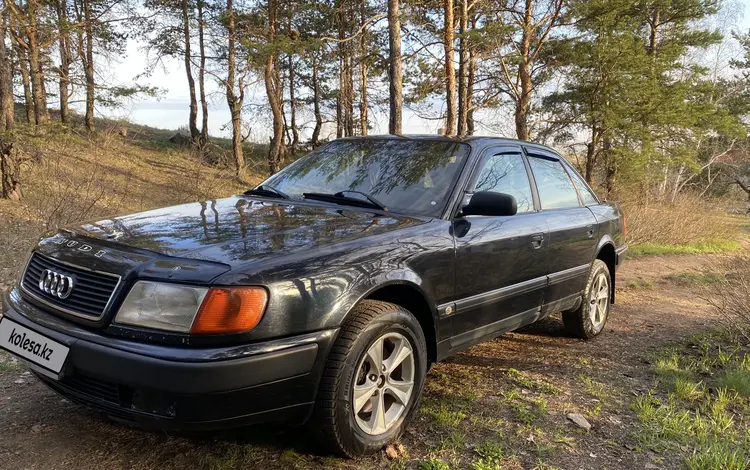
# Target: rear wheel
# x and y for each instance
(372, 381)
(589, 319)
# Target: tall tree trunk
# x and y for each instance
(88, 64)
(524, 74)
(38, 92)
(463, 70)
(363, 105)
(192, 123)
(394, 68)
(275, 152)
(63, 44)
(233, 100)
(345, 102)
(7, 116)
(450, 72)
(202, 75)
(591, 149)
(314, 140)
(293, 107)
(470, 87)
(23, 66)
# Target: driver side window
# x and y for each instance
(506, 173)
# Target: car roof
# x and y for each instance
(474, 140)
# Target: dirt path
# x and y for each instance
(502, 404)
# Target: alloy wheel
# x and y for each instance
(598, 301)
(384, 383)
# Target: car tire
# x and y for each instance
(371, 326)
(588, 320)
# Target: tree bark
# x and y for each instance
(38, 92)
(293, 107)
(450, 72)
(470, 89)
(271, 81)
(202, 75)
(23, 66)
(364, 123)
(394, 68)
(314, 140)
(524, 74)
(192, 123)
(63, 44)
(463, 69)
(88, 64)
(7, 116)
(234, 100)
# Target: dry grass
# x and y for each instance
(690, 220)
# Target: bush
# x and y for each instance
(690, 219)
(731, 295)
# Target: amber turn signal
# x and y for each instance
(230, 310)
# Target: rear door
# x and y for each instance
(501, 262)
(572, 230)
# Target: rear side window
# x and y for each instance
(586, 195)
(556, 190)
(506, 173)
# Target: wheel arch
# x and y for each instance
(412, 297)
(606, 252)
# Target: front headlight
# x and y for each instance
(195, 310)
(162, 306)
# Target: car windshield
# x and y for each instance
(407, 176)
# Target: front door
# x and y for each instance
(500, 261)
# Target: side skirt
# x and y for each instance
(470, 338)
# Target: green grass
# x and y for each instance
(657, 249)
(444, 414)
(699, 407)
(532, 384)
(693, 278)
(718, 457)
(736, 379)
(434, 464)
(7, 364)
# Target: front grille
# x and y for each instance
(91, 294)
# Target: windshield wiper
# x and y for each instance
(341, 198)
(265, 190)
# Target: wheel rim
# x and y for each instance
(599, 301)
(383, 384)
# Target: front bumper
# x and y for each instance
(169, 387)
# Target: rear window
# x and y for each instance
(556, 190)
(586, 195)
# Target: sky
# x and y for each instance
(170, 109)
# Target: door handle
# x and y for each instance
(537, 240)
(590, 231)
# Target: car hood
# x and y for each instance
(240, 229)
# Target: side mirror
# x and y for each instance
(490, 203)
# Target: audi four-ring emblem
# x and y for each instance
(55, 284)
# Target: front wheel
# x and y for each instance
(372, 381)
(588, 320)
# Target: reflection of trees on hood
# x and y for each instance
(390, 163)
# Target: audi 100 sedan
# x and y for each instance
(323, 295)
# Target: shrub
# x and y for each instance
(688, 220)
(731, 295)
